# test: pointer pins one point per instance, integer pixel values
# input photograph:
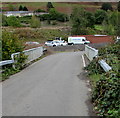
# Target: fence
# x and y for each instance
(104, 65)
(32, 54)
(90, 52)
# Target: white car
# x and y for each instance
(62, 42)
(47, 42)
(52, 43)
(27, 43)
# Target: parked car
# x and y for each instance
(62, 42)
(27, 43)
(52, 43)
(47, 43)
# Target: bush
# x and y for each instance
(106, 6)
(13, 21)
(118, 7)
(62, 17)
(4, 20)
(100, 15)
(90, 19)
(106, 95)
(39, 10)
(10, 44)
(54, 15)
(35, 22)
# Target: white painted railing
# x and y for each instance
(32, 54)
(90, 52)
(104, 65)
(2, 63)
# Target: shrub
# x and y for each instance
(62, 17)
(90, 19)
(4, 20)
(118, 7)
(100, 15)
(35, 22)
(39, 10)
(10, 44)
(106, 6)
(13, 21)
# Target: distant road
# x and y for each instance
(49, 87)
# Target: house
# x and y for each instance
(18, 13)
(22, 13)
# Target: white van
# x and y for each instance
(77, 40)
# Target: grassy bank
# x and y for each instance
(39, 34)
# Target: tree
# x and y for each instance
(25, 8)
(53, 13)
(49, 6)
(111, 24)
(79, 21)
(10, 44)
(106, 6)
(20, 8)
(13, 21)
(118, 7)
(90, 19)
(35, 22)
(100, 15)
(4, 20)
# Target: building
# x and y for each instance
(98, 38)
(22, 13)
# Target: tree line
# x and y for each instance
(83, 22)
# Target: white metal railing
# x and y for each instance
(2, 63)
(104, 65)
(32, 54)
(90, 52)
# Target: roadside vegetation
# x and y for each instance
(11, 44)
(105, 95)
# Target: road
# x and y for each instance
(48, 87)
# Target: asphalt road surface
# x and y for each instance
(49, 87)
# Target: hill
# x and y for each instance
(65, 7)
